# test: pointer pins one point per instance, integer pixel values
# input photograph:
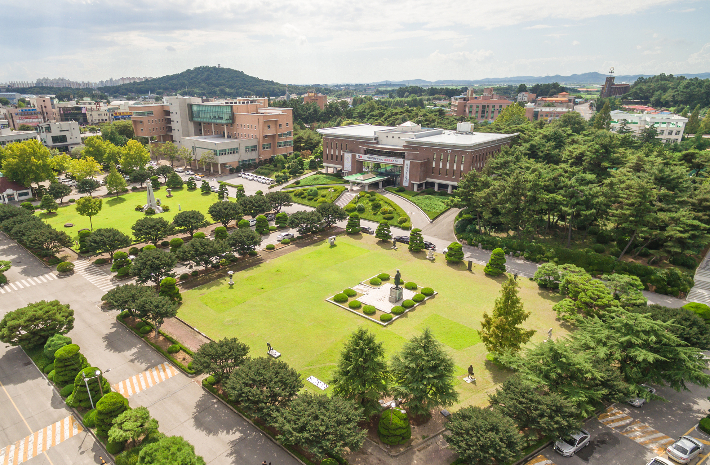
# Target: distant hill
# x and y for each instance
(585, 78)
(206, 81)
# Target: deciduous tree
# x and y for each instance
(115, 184)
(224, 212)
(134, 156)
(170, 450)
(220, 358)
(152, 266)
(201, 251)
(87, 186)
(58, 190)
(189, 221)
(27, 162)
(107, 240)
(244, 240)
(152, 229)
(277, 200)
(88, 206)
(330, 213)
(305, 222)
(125, 297)
(132, 425)
(156, 308)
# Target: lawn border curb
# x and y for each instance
(533, 453)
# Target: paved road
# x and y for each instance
(179, 403)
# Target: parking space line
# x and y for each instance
(637, 431)
(540, 460)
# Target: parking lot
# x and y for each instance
(624, 435)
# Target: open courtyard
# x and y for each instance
(282, 302)
(120, 212)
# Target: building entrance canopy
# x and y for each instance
(365, 178)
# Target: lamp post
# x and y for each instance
(86, 383)
(231, 281)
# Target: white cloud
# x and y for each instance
(701, 57)
(538, 26)
(575, 43)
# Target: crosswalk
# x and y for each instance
(26, 283)
(94, 275)
(145, 380)
(639, 432)
(39, 441)
(540, 460)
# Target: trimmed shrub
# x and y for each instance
(68, 361)
(408, 303)
(210, 380)
(427, 291)
(174, 349)
(55, 343)
(383, 276)
(123, 272)
(411, 286)
(454, 253)
(100, 261)
(109, 407)
(360, 208)
(114, 448)
(145, 329)
(385, 317)
(349, 208)
(148, 247)
(340, 298)
(286, 241)
(270, 246)
(50, 376)
(598, 248)
(388, 217)
(184, 276)
(397, 310)
(175, 244)
(355, 304)
(199, 235)
(253, 253)
(169, 289)
(349, 292)
(704, 425)
(369, 310)
(418, 298)
(80, 396)
(220, 232)
(194, 272)
(49, 368)
(496, 264)
(702, 310)
(329, 461)
(394, 427)
(90, 418)
(402, 220)
(375, 281)
(272, 228)
(66, 390)
(134, 251)
(65, 267)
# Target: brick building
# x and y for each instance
(319, 99)
(408, 155)
(485, 107)
(611, 89)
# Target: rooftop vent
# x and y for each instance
(464, 127)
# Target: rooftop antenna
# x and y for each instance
(611, 70)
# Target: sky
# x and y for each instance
(352, 41)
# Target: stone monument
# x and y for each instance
(151, 201)
(396, 292)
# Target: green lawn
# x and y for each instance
(331, 195)
(319, 180)
(432, 205)
(366, 199)
(283, 302)
(119, 212)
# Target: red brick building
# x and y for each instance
(484, 107)
(319, 99)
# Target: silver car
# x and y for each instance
(639, 401)
(685, 449)
(573, 443)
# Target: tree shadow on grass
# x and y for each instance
(550, 295)
(498, 372)
(113, 201)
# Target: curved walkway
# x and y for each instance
(443, 226)
(419, 219)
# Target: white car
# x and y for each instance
(639, 401)
(573, 443)
(189, 172)
(179, 170)
(685, 449)
(252, 222)
(283, 236)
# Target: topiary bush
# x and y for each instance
(114, 448)
(394, 427)
(175, 244)
(48, 369)
(355, 304)
(65, 267)
(375, 281)
(174, 349)
(184, 276)
(145, 329)
(68, 361)
(329, 461)
(340, 298)
(496, 264)
(383, 276)
(427, 291)
(220, 232)
(349, 292)
(90, 418)
(55, 343)
(270, 247)
(100, 261)
(286, 241)
(397, 310)
(702, 310)
(80, 396)
(369, 310)
(199, 235)
(133, 251)
(408, 303)
(704, 425)
(598, 248)
(194, 272)
(66, 390)
(50, 376)
(109, 407)
(385, 317)
(418, 298)
(411, 286)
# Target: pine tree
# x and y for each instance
(502, 332)
(496, 264)
(353, 226)
(383, 232)
(693, 124)
(48, 204)
(603, 118)
(454, 253)
(705, 125)
(115, 183)
(416, 241)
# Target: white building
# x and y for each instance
(670, 127)
(8, 136)
(63, 135)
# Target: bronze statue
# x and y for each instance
(397, 280)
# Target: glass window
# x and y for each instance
(220, 114)
(266, 146)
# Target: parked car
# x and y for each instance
(270, 216)
(402, 239)
(179, 170)
(639, 401)
(573, 443)
(685, 449)
(283, 236)
(214, 188)
(660, 461)
(252, 222)
(429, 245)
(366, 230)
(189, 172)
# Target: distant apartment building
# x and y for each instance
(319, 99)
(561, 100)
(485, 107)
(526, 97)
(237, 132)
(669, 127)
(408, 155)
(62, 135)
(611, 89)
(47, 105)
(8, 136)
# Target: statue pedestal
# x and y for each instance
(396, 294)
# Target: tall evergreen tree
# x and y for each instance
(602, 119)
(503, 332)
(416, 241)
(383, 231)
(693, 124)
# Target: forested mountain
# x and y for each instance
(666, 90)
(208, 81)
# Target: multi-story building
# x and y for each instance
(70, 111)
(234, 132)
(612, 89)
(408, 155)
(669, 127)
(29, 116)
(319, 99)
(561, 100)
(8, 136)
(47, 105)
(13, 97)
(535, 113)
(526, 97)
(63, 136)
(484, 107)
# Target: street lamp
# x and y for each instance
(86, 383)
(231, 281)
